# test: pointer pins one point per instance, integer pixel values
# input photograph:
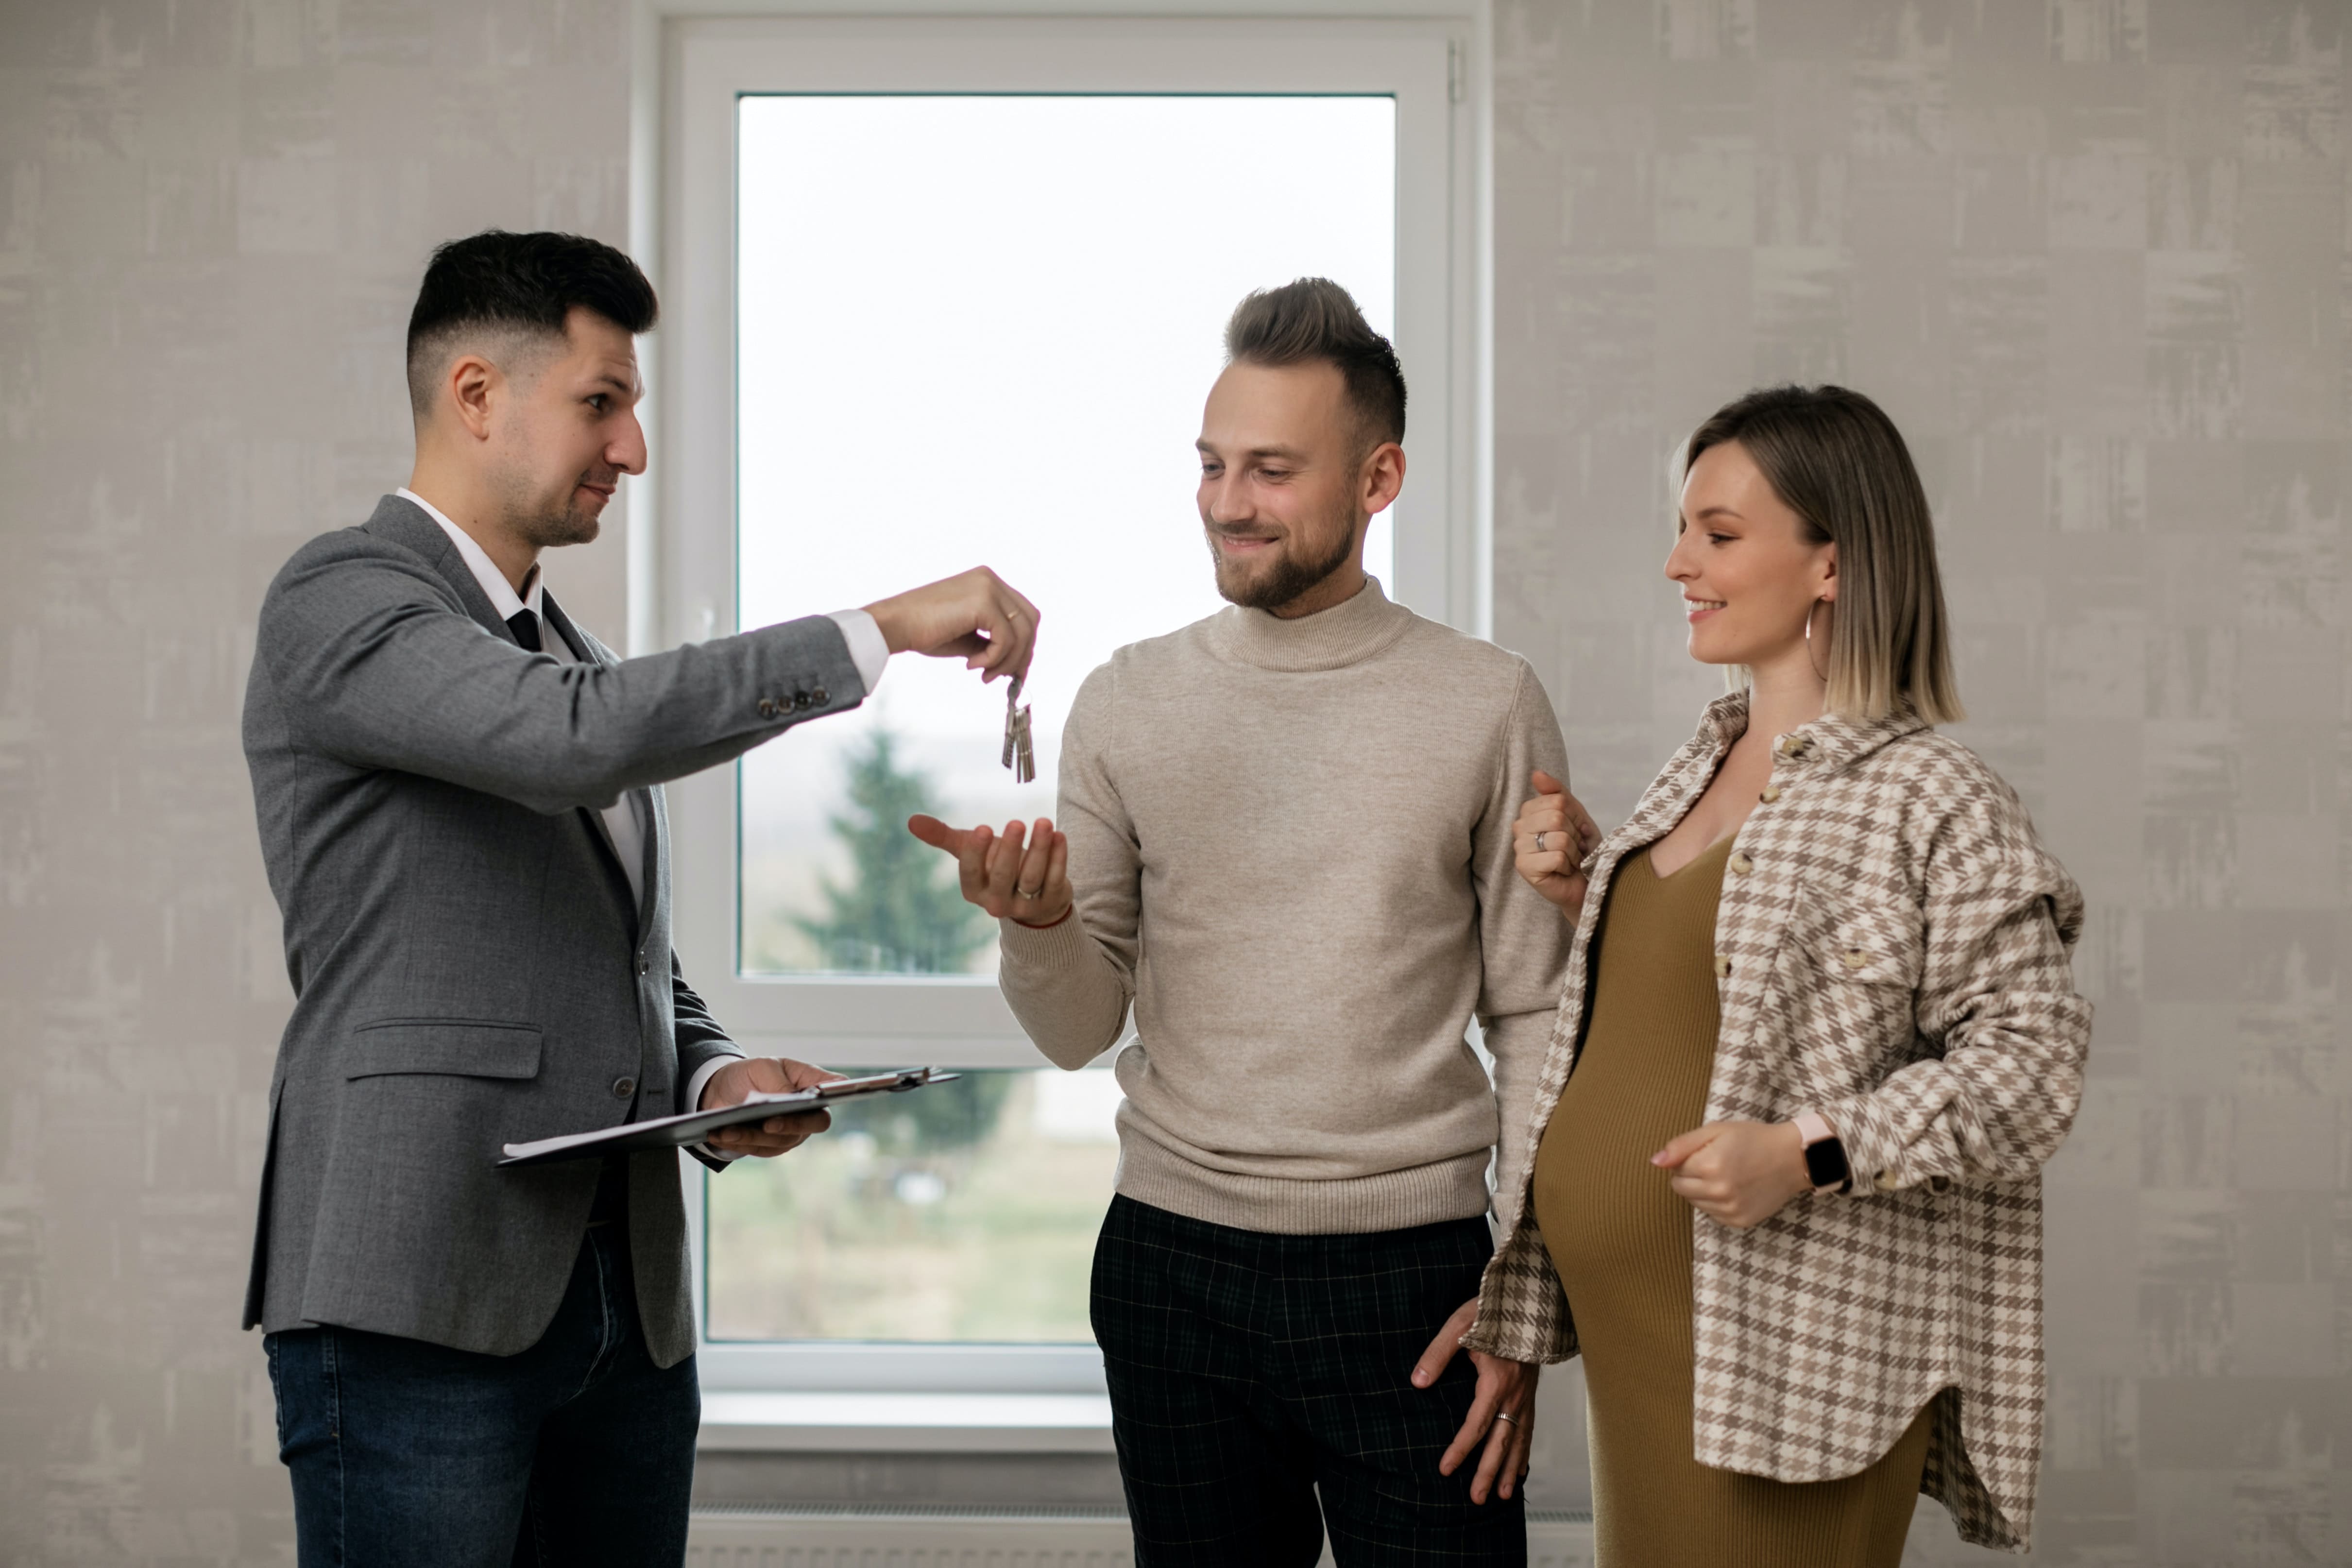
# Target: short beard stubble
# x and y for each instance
(1289, 578)
(549, 527)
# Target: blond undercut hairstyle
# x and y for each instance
(1315, 318)
(1837, 461)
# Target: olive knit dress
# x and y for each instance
(1620, 1240)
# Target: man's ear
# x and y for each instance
(1382, 478)
(474, 384)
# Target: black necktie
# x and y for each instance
(525, 627)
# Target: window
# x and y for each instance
(949, 292)
(965, 1212)
(979, 328)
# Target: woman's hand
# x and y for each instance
(1502, 1412)
(1027, 883)
(1553, 834)
(1738, 1174)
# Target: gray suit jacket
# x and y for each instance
(468, 968)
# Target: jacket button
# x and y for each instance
(766, 709)
(1742, 864)
(819, 696)
(1855, 958)
(800, 700)
(1771, 793)
(1792, 745)
(1722, 967)
(623, 1088)
(644, 964)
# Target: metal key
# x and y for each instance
(1018, 754)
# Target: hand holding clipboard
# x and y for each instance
(677, 1132)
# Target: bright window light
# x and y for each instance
(980, 330)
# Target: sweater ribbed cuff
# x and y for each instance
(1041, 950)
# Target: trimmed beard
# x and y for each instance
(1290, 578)
(548, 528)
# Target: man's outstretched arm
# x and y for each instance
(372, 662)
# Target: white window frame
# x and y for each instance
(682, 521)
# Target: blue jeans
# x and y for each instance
(577, 1452)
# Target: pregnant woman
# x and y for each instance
(1818, 1037)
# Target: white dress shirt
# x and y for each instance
(622, 827)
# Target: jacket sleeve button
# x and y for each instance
(1722, 967)
(819, 696)
(766, 709)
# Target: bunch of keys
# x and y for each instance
(1018, 753)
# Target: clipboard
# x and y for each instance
(677, 1132)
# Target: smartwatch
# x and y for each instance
(1825, 1162)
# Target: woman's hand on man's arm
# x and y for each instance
(1552, 836)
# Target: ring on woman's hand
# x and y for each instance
(1025, 893)
(1539, 839)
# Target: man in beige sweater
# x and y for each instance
(1286, 842)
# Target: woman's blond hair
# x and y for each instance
(1838, 462)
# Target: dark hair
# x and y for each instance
(518, 282)
(1838, 462)
(1315, 318)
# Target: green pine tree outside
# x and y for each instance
(902, 913)
(899, 912)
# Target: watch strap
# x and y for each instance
(1813, 1128)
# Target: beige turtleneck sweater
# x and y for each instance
(1291, 845)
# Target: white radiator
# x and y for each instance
(985, 1538)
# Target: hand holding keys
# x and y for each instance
(1018, 755)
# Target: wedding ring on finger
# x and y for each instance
(1507, 1416)
(1025, 894)
(1539, 839)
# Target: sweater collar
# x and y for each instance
(1346, 634)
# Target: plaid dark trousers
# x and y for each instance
(1249, 1372)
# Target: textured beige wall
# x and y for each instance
(213, 215)
(2092, 255)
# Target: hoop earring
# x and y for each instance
(1819, 673)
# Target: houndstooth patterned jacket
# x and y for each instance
(1891, 949)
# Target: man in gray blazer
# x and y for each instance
(461, 804)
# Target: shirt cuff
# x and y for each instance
(867, 651)
(707, 1070)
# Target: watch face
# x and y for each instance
(1825, 1163)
